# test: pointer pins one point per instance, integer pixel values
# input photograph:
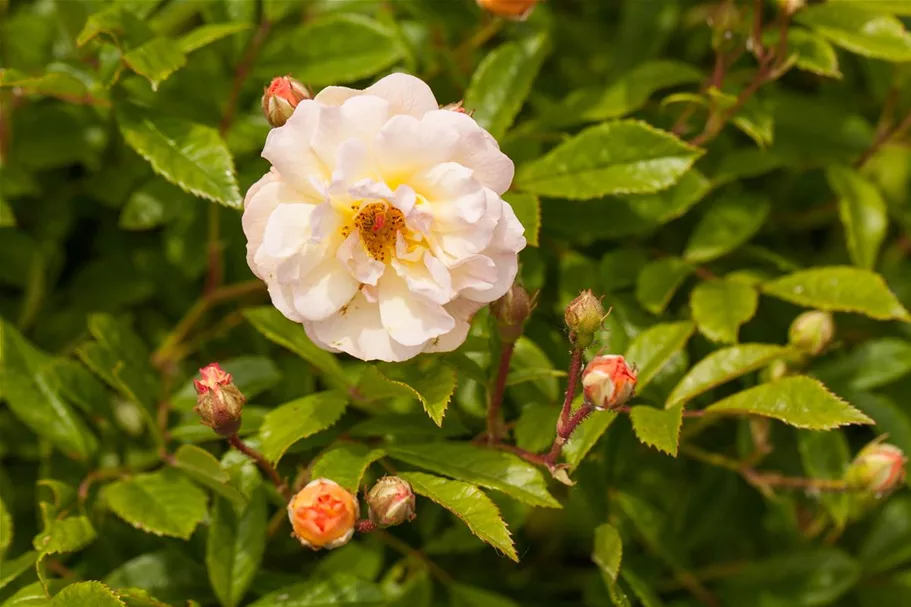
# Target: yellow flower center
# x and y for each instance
(377, 224)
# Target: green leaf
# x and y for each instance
(345, 464)
(871, 34)
(623, 157)
(719, 307)
(86, 594)
(535, 428)
(863, 214)
(626, 94)
(502, 81)
(876, 363)
(8, 220)
(341, 590)
(463, 595)
(432, 384)
(825, 455)
(156, 203)
(122, 26)
(252, 375)
(298, 419)
(62, 85)
(201, 466)
(799, 401)
(33, 397)
(469, 504)
(655, 346)
(65, 535)
(722, 366)
(528, 210)
(888, 543)
(190, 155)
(16, 567)
(235, 546)
(332, 50)
(136, 597)
(275, 327)
(814, 53)
(6, 528)
(608, 550)
(32, 595)
(163, 503)
(839, 289)
(729, 223)
(586, 436)
(659, 280)
(209, 33)
(488, 468)
(658, 428)
(156, 60)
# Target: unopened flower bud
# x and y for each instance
(511, 9)
(608, 381)
(511, 312)
(323, 514)
(584, 316)
(390, 502)
(219, 403)
(878, 468)
(281, 97)
(812, 332)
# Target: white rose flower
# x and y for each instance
(380, 227)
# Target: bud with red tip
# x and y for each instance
(812, 332)
(390, 502)
(219, 403)
(878, 468)
(323, 514)
(511, 312)
(608, 381)
(584, 316)
(281, 97)
(511, 9)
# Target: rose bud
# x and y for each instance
(281, 97)
(878, 468)
(390, 502)
(511, 9)
(219, 403)
(812, 332)
(323, 514)
(608, 381)
(584, 316)
(511, 312)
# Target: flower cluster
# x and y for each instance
(380, 227)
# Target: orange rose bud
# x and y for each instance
(878, 468)
(219, 403)
(281, 97)
(608, 381)
(323, 514)
(511, 9)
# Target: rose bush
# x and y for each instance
(455, 302)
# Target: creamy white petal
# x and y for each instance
(411, 319)
(455, 196)
(507, 266)
(363, 267)
(462, 310)
(324, 290)
(405, 94)
(261, 199)
(282, 300)
(288, 230)
(406, 145)
(359, 331)
(427, 277)
(288, 149)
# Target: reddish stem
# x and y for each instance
(494, 427)
(283, 489)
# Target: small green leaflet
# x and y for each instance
(469, 504)
(722, 366)
(608, 550)
(209, 33)
(622, 157)
(799, 401)
(432, 384)
(659, 280)
(720, 306)
(340, 590)
(345, 464)
(156, 60)
(163, 503)
(658, 428)
(871, 34)
(839, 289)
(729, 223)
(234, 547)
(655, 346)
(201, 466)
(298, 419)
(863, 214)
(86, 594)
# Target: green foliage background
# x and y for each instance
(710, 179)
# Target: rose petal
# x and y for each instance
(411, 319)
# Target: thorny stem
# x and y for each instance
(283, 489)
(494, 425)
(565, 427)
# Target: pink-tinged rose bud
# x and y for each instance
(583, 317)
(812, 332)
(219, 403)
(608, 381)
(323, 514)
(878, 468)
(511, 9)
(390, 502)
(511, 312)
(281, 97)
